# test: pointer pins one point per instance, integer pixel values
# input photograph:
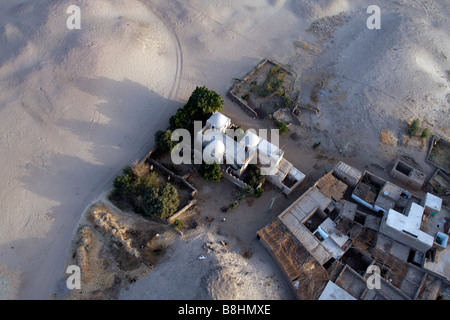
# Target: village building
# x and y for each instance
(327, 241)
(408, 175)
(236, 149)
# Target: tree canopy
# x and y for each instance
(211, 172)
(253, 176)
(161, 202)
(163, 140)
(201, 103)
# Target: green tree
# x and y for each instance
(282, 126)
(204, 101)
(253, 176)
(144, 183)
(163, 140)
(211, 172)
(124, 184)
(161, 202)
(180, 120)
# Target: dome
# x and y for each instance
(216, 148)
(251, 140)
(218, 120)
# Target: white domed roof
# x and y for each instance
(218, 120)
(251, 140)
(217, 148)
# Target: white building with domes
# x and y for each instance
(235, 149)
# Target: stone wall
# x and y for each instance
(231, 93)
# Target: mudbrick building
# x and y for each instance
(349, 223)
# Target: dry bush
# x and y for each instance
(140, 169)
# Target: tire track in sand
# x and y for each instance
(95, 193)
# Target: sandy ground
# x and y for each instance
(77, 105)
(236, 266)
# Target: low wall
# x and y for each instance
(433, 140)
(177, 214)
(173, 176)
(231, 93)
(234, 179)
(250, 112)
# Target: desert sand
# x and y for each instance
(77, 105)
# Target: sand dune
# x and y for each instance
(76, 105)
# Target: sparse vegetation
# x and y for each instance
(287, 101)
(414, 127)
(244, 193)
(178, 224)
(425, 133)
(232, 206)
(273, 81)
(258, 193)
(211, 172)
(438, 190)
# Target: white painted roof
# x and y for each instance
(268, 149)
(432, 202)
(251, 140)
(410, 223)
(219, 121)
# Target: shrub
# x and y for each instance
(273, 81)
(124, 184)
(287, 101)
(161, 202)
(142, 184)
(178, 224)
(232, 206)
(282, 126)
(317, 145)
(163, 140)
(140, 169)
(425, 133)
(414, 127)
(254, 177)
(135, 181)
(211, 172)
(258, 193)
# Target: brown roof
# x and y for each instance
(285, 247)
(332, 187)
(363, 192)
